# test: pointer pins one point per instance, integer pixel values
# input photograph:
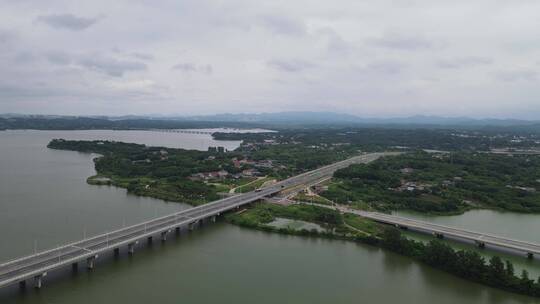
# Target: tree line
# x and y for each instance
(463, 263)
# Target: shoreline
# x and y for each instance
(512, 283)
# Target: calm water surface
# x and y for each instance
(44, 197)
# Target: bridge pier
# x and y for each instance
(164, 235)
(177, 230)
(530, 255)
(213, 219)
(22, 284)
(116, 252)
(38, 280)
(131, 248)
(480, 244)
(90, 262)
(438, 235)
(149, 240)
(74, 267)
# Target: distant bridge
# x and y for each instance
(482, 240)
(440, 231)
(185, 131)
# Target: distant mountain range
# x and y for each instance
(331, 117)
(297, 118)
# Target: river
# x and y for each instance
(45, 201)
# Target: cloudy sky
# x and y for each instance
(373, 58)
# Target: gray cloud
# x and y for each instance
(185, 67)
(290, 65)
(517, 75)
(335, 43)
(190, 67)
(96, 62)
(67, 21)
(372, 58)
(5, 36)
(401, 42)
(111, 66)
(385, 67)
(59, 58)
(463, 62)
(143, 56)
(283, 25)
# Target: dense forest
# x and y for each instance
(442, 182)
(295, 158)
(378, 139)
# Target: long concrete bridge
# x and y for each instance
(441, 231)
(185, 131)
(481, 239)
(86, 251)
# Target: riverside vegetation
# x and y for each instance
(462, 263)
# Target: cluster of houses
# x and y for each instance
(415, 186)
(256, 145)
(251, 171)
(223, 174)
(258, 164)
(412, 186)
(525, 189)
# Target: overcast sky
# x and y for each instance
(374, 58)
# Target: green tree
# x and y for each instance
(509, 268)
(497, 272)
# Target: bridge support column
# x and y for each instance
(75, 267)
(90, 262)
(38, 280)
(438, 235)
(177, 230)
(131, 248)
(164, 235)
(213, 219)
(116, 252)
(149, 240)
(530, 255)
(480, 244)
(22, 285)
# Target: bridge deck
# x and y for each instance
(478, 237)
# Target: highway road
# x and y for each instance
(37, 266)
